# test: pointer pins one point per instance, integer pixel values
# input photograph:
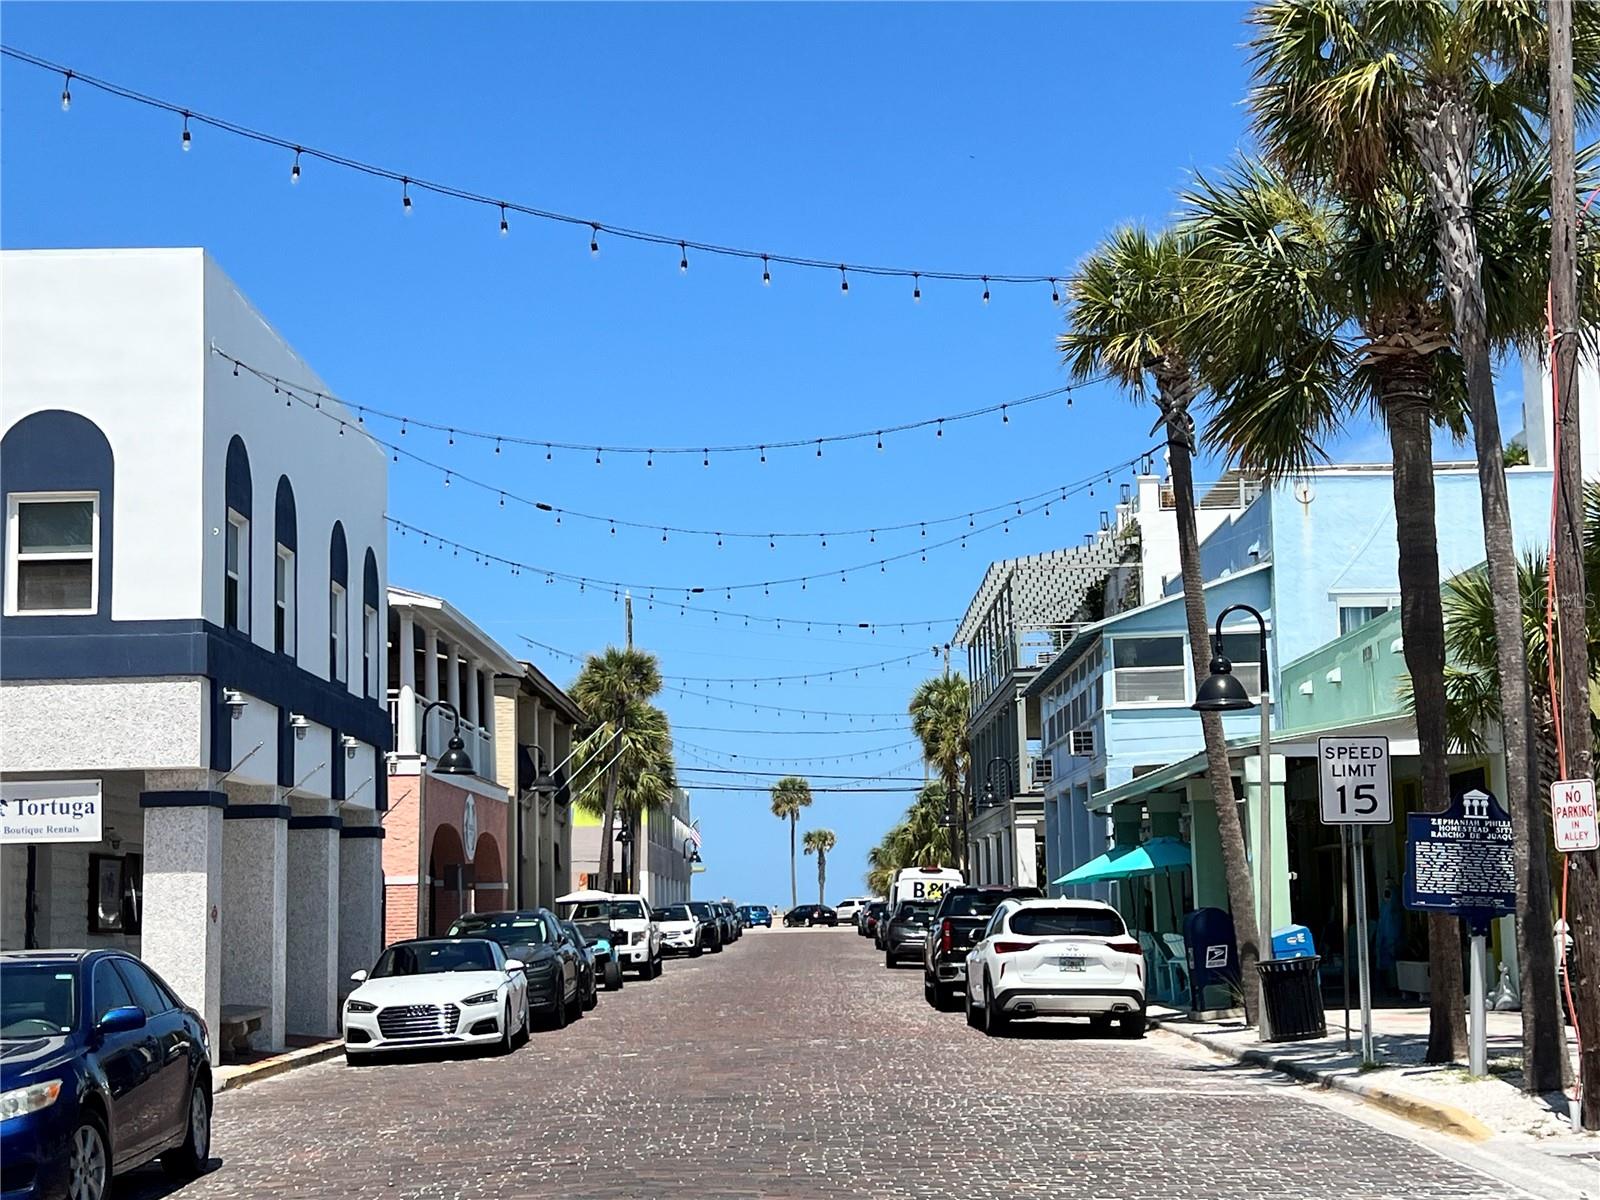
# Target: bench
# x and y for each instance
(237, 1022)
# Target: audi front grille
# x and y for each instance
(418, 1021)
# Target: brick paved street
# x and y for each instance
(794, 1065)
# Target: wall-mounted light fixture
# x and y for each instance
(234, 699)
(349, 743)
(299, 723)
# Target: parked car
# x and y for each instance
(848, 908)
(431, 992)
(713, 928)
(588, 966)
(955, 928)
(533, 937)
(682, 930)
(102, 1068)
(602, 939)
(867, 924)
(730, 921)
(905, 932)
(1061, 958)
(810, 914)
(760, 915)
(635, 935)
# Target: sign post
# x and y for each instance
(1460, 862)
(1354, 789)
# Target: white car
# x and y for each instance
(638, 937)
(681, 931)
(1056, 958)
(848, 909)
(437, 992)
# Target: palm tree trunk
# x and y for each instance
(1444, 138)
(794, 880)
(1174, 400)
(1407, 392)
(822, 876)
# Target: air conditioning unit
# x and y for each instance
(1083, 742)
(1040, 770)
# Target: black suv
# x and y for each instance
(954, 930)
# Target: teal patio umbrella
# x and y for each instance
(1154, 857)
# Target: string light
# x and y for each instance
(882, 664)
(66, 91)
(505, 226)
(986, 289)
(451, 191)
(766, 272)
(916, 287)
(188, 139)
(594, 241)
(405, 196)
(683, 263)
(294, 171)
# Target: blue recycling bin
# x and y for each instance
(1292, 941)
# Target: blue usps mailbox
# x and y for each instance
(1213, 955)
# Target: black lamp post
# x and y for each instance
(989, 796)
(454, 761)
(1221, 692)
(625, 840)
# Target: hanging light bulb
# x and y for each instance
(187, 140)
(880, 439)
(705, 458)
(844, 282)
(916, 287)
(594, 241)
(66, 92)
(1055, 293)
(405, 196)
(1005, 417)
(763, 454)
(986, 289)
(597, 456)
(939, 432)
(505, 226)
(683, 262)
(766, 272)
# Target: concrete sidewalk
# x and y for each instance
(1442, 1097)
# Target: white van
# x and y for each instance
(921, 883)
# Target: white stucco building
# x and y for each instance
(193, 626)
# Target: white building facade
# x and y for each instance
(194, 608)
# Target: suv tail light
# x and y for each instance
(1125, 946)
(945, 938)
(1011, 947)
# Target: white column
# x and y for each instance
(533, 857)
(485, 685)
(430, 688)
(452, 685)
(182, 925)
(1027, 858)
(407, 725)
(312, 930)
(470, 713)
(255, 877)
(360, 896)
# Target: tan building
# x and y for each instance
(535, 722)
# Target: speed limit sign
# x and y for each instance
(1353, 781)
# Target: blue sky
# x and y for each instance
(990, 139)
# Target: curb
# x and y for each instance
(1446, 1118)
(279, 1064)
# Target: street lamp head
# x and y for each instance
(988, 794)
(454, 760)
(546, 784)
(1221, 691)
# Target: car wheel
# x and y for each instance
(1132, 1025)
(716, 946)
(888, 959)
(657, 966)
(527, 1021)
(973, 1012)
(189, 1159)
(508, 1035)
(994, 1021)
(591, 997)
(556, 1018)
(1100, 1023)
(699, 949)
(575, 1009)
(930, 991)
(613, 975)
(88, 1161)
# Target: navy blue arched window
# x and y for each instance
(338, 605)
(371, 625)
(58, 472)
(285, 570)
(236, 530)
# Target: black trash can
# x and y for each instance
(1292, 996)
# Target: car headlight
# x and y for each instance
(32, 1098)
(359, 1006)
(482, 998)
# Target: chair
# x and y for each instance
(1157, 966)
(1177, 961)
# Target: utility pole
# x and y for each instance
(627, 610)
(1581, 884)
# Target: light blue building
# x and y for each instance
(1317, 556)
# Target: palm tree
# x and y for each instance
(819, 842)
(789, 795)
(1352, 95)
(645, 770)
(607, 689)
(939, 710)
(923, 837)
(1126, 311)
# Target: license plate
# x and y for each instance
(1071, 962)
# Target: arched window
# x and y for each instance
(284, 570)
(371, 624)
(236, 556)
(58, 470)
(338, 606)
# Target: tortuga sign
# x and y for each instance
(1572, 815)
(50, 810)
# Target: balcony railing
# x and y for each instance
(477, 739)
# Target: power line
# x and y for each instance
(501, 440)
(292, 394)
(784, 774)
(411, 186)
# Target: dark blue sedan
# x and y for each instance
(102, 1069)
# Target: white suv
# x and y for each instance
(848, 909)
(638, 937)
(1039, 958)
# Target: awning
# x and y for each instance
(1127, 862)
